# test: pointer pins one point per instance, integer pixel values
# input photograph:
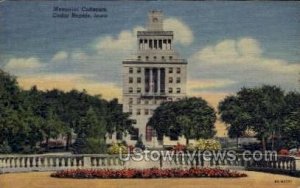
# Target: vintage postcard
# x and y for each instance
(149, 94)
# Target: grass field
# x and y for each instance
(43, 180)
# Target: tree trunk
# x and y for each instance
(273, 134)
(68, 141)
(187, 141)
(263, 141)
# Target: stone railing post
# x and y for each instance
(87, 162)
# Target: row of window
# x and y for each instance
(139, 111)
(139, 101)
(139, 80)
(139, 90)
(170, 70)
(163, 58)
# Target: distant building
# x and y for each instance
(157, 74)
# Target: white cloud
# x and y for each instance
(126, 40)
(243, 61)
(23, 64)
(183, 33)
(60, 56)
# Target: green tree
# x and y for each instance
(91, 136)
(290, 132)
(259, 109)
(232, 115)
(191, 117)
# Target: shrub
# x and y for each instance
(148, 173)
(283, 152)
(117, 148)
(206, 144)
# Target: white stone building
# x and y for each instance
(156, 74)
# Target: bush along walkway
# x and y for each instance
(148, 173)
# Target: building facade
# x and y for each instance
(157, 74)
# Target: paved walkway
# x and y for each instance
(43, 180)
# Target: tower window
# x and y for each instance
(178, 80)
(163, 57)
(139, 57)
(170, 57)
(178, 90)
(130, 90)
(178, 70)
(139, 70)
(130, 80)
(170, 70)
(130, 70)
(170, 80)
(170, 90)
(154, 57)
(138, 80)
(147, 58)
(138, 90)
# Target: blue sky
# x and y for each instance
(228, 44)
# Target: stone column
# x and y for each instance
(151, 81)
(158, 80)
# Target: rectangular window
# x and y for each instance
(138, 90)
(146, 111)
(130, 80)
(178, 90)
(130, 111)
(130, 70)
(170, 80)
(178, 80)
(130, 90)
(139, 80)
(178, 70)
(138, 112)
(138, 101)
(146, 102)
(139, 70)
(170, 90)
(170, 70)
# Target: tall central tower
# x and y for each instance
(157, 74)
